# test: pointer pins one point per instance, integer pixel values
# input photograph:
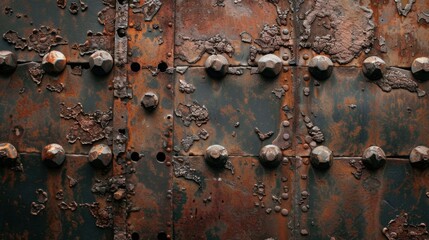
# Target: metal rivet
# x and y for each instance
(100, 156)
(320, 67)
(53, 155)
(420, 68)
(216, 156)
(54, 62)
(270, 65)
(8, 153)
(101, 62)
(216, 66)
(321, 157)
(8, 62)
(373, 67)
(373, 157)
(270, 156)
(419, 157)
(150, 101)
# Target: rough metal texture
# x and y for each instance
(158, 184)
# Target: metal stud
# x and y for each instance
(216, 156)
(216, 66)
(373, 68)
(270, 65)
(320, 67)
(8, 62)
(100, 156)
(373, 157)
(270, 156)
(321, 157)
(419, 157)
(53, 155)
(54, 62)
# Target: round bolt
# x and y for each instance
(373, 67)
(419, 157)
(373, 157)
(100, 156)
(53, 155)
(270, 156)
(420, 68)
(54, 62)
(101, 62)
(321, 157)
(8, 153)
(320, 67)
(8, 62)
(216, 66)
(270, 65)
(216, 156)
(149, 101)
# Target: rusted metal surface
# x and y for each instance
(223, 119)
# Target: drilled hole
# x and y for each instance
(160, 156)
(121, 32)
(162, 236)
(135, 67)
(168, 117)
(121, 130)
(135, 236)
(135, 156)
(162, 66)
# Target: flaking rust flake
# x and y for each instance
(94, 42)
(191, 50)
(399, 228)
(192, 112)
(149, 9)
(88, 128)
(281, 14)
(396, 78)
(349, 29)
(40, 40)
(271, 39)
(182, 168)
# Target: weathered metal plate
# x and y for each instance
(151, 42)
(31, 112)
(18, 191)
(343, 207)
(73, 28)
(351, 31)
(235, 105)
(354, 113)
(149, 147)
(231, 28)
(230, 206)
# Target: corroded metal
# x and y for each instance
(216, 156)
(8, 62)
(53, 155)
(374, 157)
(101, 62)
(54, 62)
(100, 156)
(321, 157)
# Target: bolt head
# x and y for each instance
(8, 153)
(321, 157)
(270, 65)
(149, 101)
(8, 62)
(419, 157)
(270, 156)
(54, 62)
(216, 156)
(320, 67)
(101, 62)
(373, 157)
(420, 68)
(373, 68)
(53, 155)
(216, 66)
(100, 156)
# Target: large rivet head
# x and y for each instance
(216, 66)
(101, 62)
(321, 157)
(270, 65)
(149, 101)
(373, 157)
(8, 62)
(420, 68)
(8, 153)
(270, 156)
(53, 155)
(100, 156)
(320, 67)
(419, 157)
(54, 62)
(373, 68)
(216, 156)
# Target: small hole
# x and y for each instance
(160, 156)
(121, 130)
(162, 66)
(121, 32)
(135, 66)
(135, 236)
(135, 156)
(169, 117)
(162, 236)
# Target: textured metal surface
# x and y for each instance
(220, 119)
